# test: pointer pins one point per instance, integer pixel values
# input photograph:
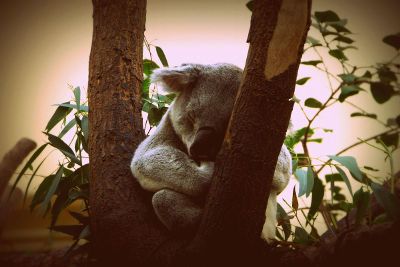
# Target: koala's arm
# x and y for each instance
(158, 164)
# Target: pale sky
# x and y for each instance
(46, 43)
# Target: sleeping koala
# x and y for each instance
(177, 161)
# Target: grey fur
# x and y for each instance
(177, 161)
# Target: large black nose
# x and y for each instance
(205, 145)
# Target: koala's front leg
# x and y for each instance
(167, 167)
(176, 211)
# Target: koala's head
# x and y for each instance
(201, 110)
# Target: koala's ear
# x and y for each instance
(176, 79)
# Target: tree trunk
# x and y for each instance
(235, 208)
(122, 221)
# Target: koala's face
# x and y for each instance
(203, 106)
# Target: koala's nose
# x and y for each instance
(205, 145)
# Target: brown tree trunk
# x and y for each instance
(122, 221)
(235, 208)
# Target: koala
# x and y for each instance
(177, 161)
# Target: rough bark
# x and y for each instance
(235, 208)
(122, 221)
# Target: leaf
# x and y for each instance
(41, 191)
(347, 91)
(146, 88)
(60, 113)
(161, 56)
(326, 16)
(386, 75)
(333, 177)
(361, 201)
(85, 127)
(345, 179)
(295, 203)
(311, 62)
(63, 147)
(26, 166)
(72, 230)
(302, 80)
(317, 196)
(81, 107)
(31, 179)
(350, 163)
(313, 41)
(381, 92)
(80, 217)
(306, 181)
(250, 5)
(67, 127)
(370, 168)
(284, 220)
(393, 40)
(77, 94)
(149, 66)
(301, 236)
(390, 139)
(368, 115)
(343, 39)
(53, 187)
(337, 53)
(387, 200)
(348, 77)
(312, 103)
(155, 115)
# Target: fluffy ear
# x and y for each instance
(175, 79)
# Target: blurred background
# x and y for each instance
(45, 46)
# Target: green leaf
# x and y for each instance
(250, 5)
(301, 236)
(311, 62)
(371, 169)
(85, 127)
(77, 94)
(386, 75)
(292, 139)
(306, 181)
(387, 200)
(390, 139)
(31, 179)
(326, 16)
(368, 115)
(60, 113)
(348, 77)
(155, 115)
(314, 42)
(317, 196)
(393, 40)
(343, 39)
(345, 179)
(63, 147)
(53, 187)
(146, 88)
(26, 166)
(67, 127)
(381, 92)
(72, 230)
(283, 220)
(337, 53)
(351, 164)
(333, 177)
(361, 201)
(312, 103)
(149, 66)
(81, 107)
(80, 217)
(161, 56)
(41, 191)
(348, 90)
(302, 80)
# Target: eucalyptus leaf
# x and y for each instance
(317, 197)
(351, 164)
(302, 80)
(53, 187)
(161, 56)
(387, 200)
(312, 103)
(381, 92)
(77, 94)
(60, 114)
(58, 143)
(345, 179)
